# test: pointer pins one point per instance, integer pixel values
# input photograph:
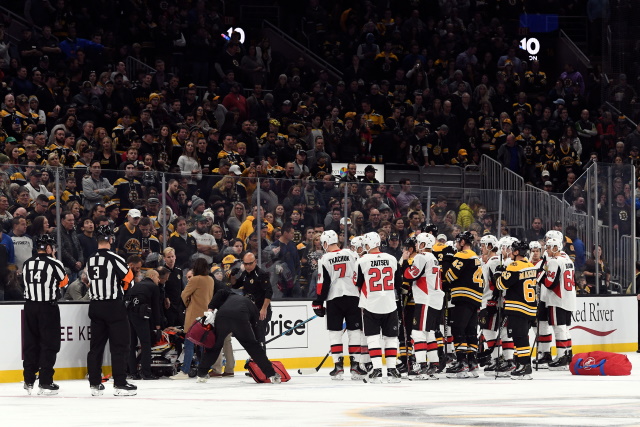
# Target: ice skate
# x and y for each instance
(202, 379)
(374, 377)
(473, 367)
(97, 390)
(543, 361)
(561, 363)
(490, 369)
(504, 369)
(29, 388)
(393, 376)
(357, 373)
(338, 370)
(458, 370)
(125, 390)
(48, 389)
(522, 372)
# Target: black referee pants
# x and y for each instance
(41, 340)
(108, 322)
(243, 332)
(140, 330)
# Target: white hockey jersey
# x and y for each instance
(488, 270)
(376, 280)
(558, 289)
(336, 275)
(427, 287)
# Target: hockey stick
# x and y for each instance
(536, 344)
(502, 323)
(404, 327)
(309, 371)
(291, 329)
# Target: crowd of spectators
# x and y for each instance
(422, 89)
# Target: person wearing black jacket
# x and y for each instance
(144, 309)
(239, 316)
(255, 284)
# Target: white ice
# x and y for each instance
(550, 399)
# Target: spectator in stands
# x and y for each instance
(536, 232)
(70, 248)
(405, 196)
(597, 283)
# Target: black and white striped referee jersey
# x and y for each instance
(109, 275)
(42, 276)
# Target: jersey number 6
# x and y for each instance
(381, 279)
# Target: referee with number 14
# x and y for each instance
(109, 276)
(42, 275)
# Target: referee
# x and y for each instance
(42, 275)
(109, 277)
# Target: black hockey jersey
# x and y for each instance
(465, 278)
(519, 281)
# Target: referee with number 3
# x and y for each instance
(42, 275)
(109, 276)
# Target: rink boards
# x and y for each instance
(599, 323)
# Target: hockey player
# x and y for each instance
(429, 297)
(545, 335)
(357, 246)
(559, 294)
(567, 243)
(444, 254)
(464, 279)
(406, 305)
(503, 364)
(519, 283)
(335, 285)
(487, 318)
(376, 281)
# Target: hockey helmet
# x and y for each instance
(357, 243)
(554, 243)
(371, 240)
(489, 240)
(521, 246)
(425, 241)
(431, 229)
(441, 238)
(328, 238)
(411, 242)
(465, 236)
(505, 242)
(534, 244)
(554, 234)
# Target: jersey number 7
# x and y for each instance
(342, 268)
(381, 279)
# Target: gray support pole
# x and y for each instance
(58, 212)
(345, 244)
(634, 255)
(596, 239)
(258, 223)
(499, 233)
(164, 213)
(429, 204)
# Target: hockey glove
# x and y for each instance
(318, 308)
(235, 271)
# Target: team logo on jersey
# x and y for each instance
(132, 246)
(552, 275)
(506, 275)
(251, 281)
(415, 322)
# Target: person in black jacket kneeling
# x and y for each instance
(239, 316)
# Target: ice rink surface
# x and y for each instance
(550, 399)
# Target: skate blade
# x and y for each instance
(559, 368)
(541, 366)
(338, 377)
(393, 380)
(473, 374)
(356, 377)
(43, 392)
(123, 393)
(97, 392)
(504, 374)
(489, 373)
(458, 375)
(523, 377)
(372, 380)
